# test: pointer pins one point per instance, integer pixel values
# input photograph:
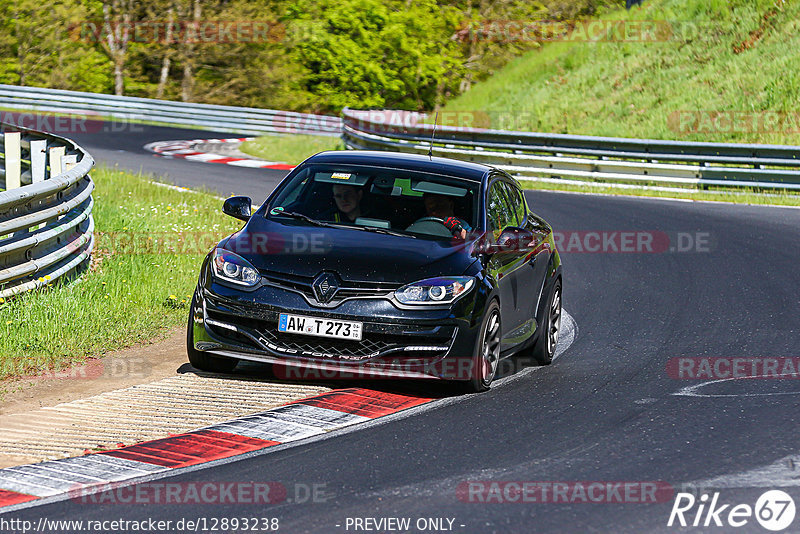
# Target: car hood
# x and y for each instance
(296, 248)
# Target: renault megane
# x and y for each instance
(382, 265)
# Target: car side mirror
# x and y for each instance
(513, 239)
(238, 208)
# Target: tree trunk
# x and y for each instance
(187, 85)
(165, 63)
(117, 40)
(119, 77)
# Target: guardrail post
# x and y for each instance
(13, 160)
(67, 162)
(38, 157)
(55, 160)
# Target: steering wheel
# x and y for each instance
(430, 225)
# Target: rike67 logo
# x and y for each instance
(774, 510)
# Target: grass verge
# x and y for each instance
(150, 242)
(722, 71)
(291, 149)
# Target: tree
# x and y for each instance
(374, 53)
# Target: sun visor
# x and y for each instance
(347, 178)
(438, 189)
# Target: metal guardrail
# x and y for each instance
(46, 225)
(581, 159)
(231, 119)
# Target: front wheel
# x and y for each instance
(545, 347)
(200, 360)
(487, 353)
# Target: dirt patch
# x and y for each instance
(756, 35)
(135, 365)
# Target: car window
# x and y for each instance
(498, 213)
(517, 203)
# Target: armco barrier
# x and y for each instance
(46, 226)
(558, 157)
(239, 120)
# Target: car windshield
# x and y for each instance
(397, 201)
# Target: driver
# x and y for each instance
(443, 207)
(348, 202)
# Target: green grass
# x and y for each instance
(637, 89)
(291, 149)
(150, 242)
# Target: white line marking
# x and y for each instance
(692, 391)
(781, 473)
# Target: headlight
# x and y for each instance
(444, 290)
(233, 268)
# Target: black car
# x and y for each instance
(380, 264)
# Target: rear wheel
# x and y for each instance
(200, 360)
(487, 352)
(545, 347)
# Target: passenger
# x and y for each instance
(348, 202)
(443, 207)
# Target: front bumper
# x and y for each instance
(419, 343)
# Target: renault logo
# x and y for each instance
(325, 286)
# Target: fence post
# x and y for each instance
(13, 160)
(55, 161)
(67, 162)
(38, 153)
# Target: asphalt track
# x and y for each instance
(606, 410)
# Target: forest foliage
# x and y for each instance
(304, 55)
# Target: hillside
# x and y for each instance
(717, 71)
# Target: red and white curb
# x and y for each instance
(186, 150)
(22, 486)
(291, 422)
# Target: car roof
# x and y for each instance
(399, 160)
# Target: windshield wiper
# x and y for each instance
(379, 230)
(315, 222)
(306, 218)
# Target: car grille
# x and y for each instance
(347, 289)
(370, 346)
(261, 335)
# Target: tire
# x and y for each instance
(200, 360)
(544, 348)
(486, 357)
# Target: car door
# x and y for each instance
(503, 264)
(535, 257)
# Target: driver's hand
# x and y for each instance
(454, 225)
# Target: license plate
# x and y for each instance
(317, 326)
